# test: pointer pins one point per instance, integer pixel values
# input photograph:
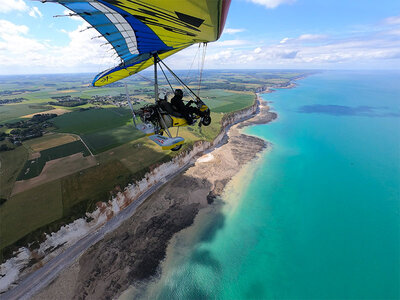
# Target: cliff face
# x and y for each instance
(132, 253)
(26, 261)
(133, 191)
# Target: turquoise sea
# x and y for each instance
(318, 215)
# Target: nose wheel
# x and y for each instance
(206, 120)
(176, 148)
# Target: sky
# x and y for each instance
(259, 34)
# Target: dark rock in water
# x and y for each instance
(211, 197)
(265, 116)
(132, 254)
(342, 110)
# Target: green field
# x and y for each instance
(34, 167)
(11, 164)
(101, 129)
(226, 101)
(29, 210)
(101, 141)
(83, 188)
(12, 112)
(93, 120)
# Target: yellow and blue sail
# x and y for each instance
(139, 29)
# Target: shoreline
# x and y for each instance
(133, 252)
(208, 222)
(19, 274)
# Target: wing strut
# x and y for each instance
(157, 60)
(130, 105)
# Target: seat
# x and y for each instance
(167, 107)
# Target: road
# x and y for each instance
(34, 282)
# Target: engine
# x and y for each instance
(148, 114)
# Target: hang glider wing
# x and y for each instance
(138, 29)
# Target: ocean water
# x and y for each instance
(318, 215)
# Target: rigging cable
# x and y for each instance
(172, 89)
(145, 78)
(203, 58)
(181, 82)
(191, 65)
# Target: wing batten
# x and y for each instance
(122, 26)
(141, 31)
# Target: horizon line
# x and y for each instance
(177, 70)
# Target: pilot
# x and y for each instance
(180, 107)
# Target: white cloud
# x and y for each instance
(82, 53)
(7, 6)
(18, 50)
(284, 40)
(309, 37)
(374, 49)
(221, 55)
(71, 16)
(10, 5)
(35, 12)
(246, 58)
(229, 43)
(311, 51)
(272, 3)
(233, 30)
(8, 28)
(393, 32)
(15, 47)
(392, 20)
(304, 38)
(89, 49)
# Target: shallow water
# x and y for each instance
(317, 217)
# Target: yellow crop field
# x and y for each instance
(50, 141)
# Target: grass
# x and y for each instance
(93, 120)
(34, 167)
(135, 155)
(105, 140)
(83, 187)
(11, 164)
(227, 101)
(29, 210)
(64, 200)
(101, 129)
(210, 132)
(12, 112)
(89, 92)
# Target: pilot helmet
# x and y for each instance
(178, 92)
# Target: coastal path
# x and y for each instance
(34, 282)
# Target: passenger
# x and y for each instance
(179, 106)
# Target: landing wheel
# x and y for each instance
(160, 132)
(206, 120)
(176, 148)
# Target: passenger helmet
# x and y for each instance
(162, 95)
